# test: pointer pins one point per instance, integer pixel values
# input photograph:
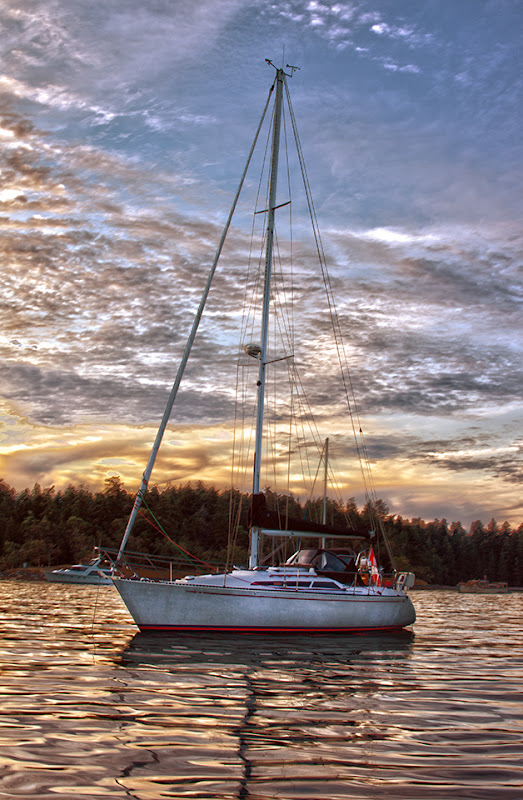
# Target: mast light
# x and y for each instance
(252, 349)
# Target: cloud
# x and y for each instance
(80, 67)
(121, 147)
(88, 266)
(350, 25)
(406, 33)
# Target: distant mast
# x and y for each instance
(325, 480)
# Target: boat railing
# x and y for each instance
(401, 581)
(135, 564)
(404, 581)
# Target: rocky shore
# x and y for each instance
(23, 574)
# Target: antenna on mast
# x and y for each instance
(288, 66)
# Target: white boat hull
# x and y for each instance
(63, 576)
(177, 606)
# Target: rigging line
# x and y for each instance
(280, 314)
(291, 417)
(233, 466)
(282, 300)
(295, 380)
(249, 440)
(157, 527)
(282, 441)
(345, 374)
(181, 369)
(248, 312)
(270, 396)
(285, 290)
(321, 254)
(289, 187)
(237, 443)
(280, 311)
(247, 323)
(250, 302)
(340, 346)
(249, 308)
(301, 447)
(247, 429)
(337, 492)
(333, 481)
(233, 533)
(316, 476)
(277, 412)
(290, 291)
(314, 220)
(301, 439)
(245, 443)
(236, 531)
(306, 408)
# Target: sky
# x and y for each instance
(124, 130)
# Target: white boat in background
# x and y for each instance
(318, 589)
(92, 573)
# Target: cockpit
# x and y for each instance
(339, 565)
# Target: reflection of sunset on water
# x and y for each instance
(430, 713)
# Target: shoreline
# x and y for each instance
(37, 574)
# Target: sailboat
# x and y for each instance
(318, 588)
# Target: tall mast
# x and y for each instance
(255, 530)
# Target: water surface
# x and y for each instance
(90, 707)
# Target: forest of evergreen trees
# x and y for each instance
(43, 527)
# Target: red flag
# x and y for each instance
(374, 571)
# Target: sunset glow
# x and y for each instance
(122, 144)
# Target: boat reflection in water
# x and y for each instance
(160, 649)
(93, 709)
(274, 713)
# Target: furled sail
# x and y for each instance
(274, 521)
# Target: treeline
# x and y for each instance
(43, 527)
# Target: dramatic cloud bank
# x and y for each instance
(123, 133)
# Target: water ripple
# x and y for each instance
(91, 708)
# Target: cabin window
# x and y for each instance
(282, 585)
(302, 557)
(330, 562)
(269, 584)
(348, 558)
